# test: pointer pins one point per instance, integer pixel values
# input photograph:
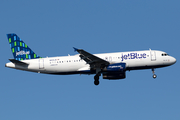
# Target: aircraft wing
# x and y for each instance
(94, 61)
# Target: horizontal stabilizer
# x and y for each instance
(18, 62)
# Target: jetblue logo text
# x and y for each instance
(22, 53)
(133, 56)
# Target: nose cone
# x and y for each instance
(173, 60)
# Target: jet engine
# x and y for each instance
(115, 71)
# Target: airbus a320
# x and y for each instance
(111, 66)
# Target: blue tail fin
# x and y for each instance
(19, 49)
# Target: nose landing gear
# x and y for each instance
(154, 75)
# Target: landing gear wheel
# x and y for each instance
(96, 79)
(96, 82)
(154, 76)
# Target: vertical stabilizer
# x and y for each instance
(19, 49)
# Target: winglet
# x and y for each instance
(75, 49)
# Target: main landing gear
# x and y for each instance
(96, 79)
(154, 75)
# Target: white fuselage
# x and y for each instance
(148, 59)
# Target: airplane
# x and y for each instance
(112, 66)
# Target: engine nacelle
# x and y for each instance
(115, 67)
(113, 76)
(115, 71)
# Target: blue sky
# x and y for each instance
(53, 27)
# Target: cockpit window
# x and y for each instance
(165, 54)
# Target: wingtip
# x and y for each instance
(75, 49)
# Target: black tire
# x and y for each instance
(96, 82)
(154, 76)
(96, 78)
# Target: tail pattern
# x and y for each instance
(19, 49)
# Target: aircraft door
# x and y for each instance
(41, 63)
(110, 59)
(153, 55)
